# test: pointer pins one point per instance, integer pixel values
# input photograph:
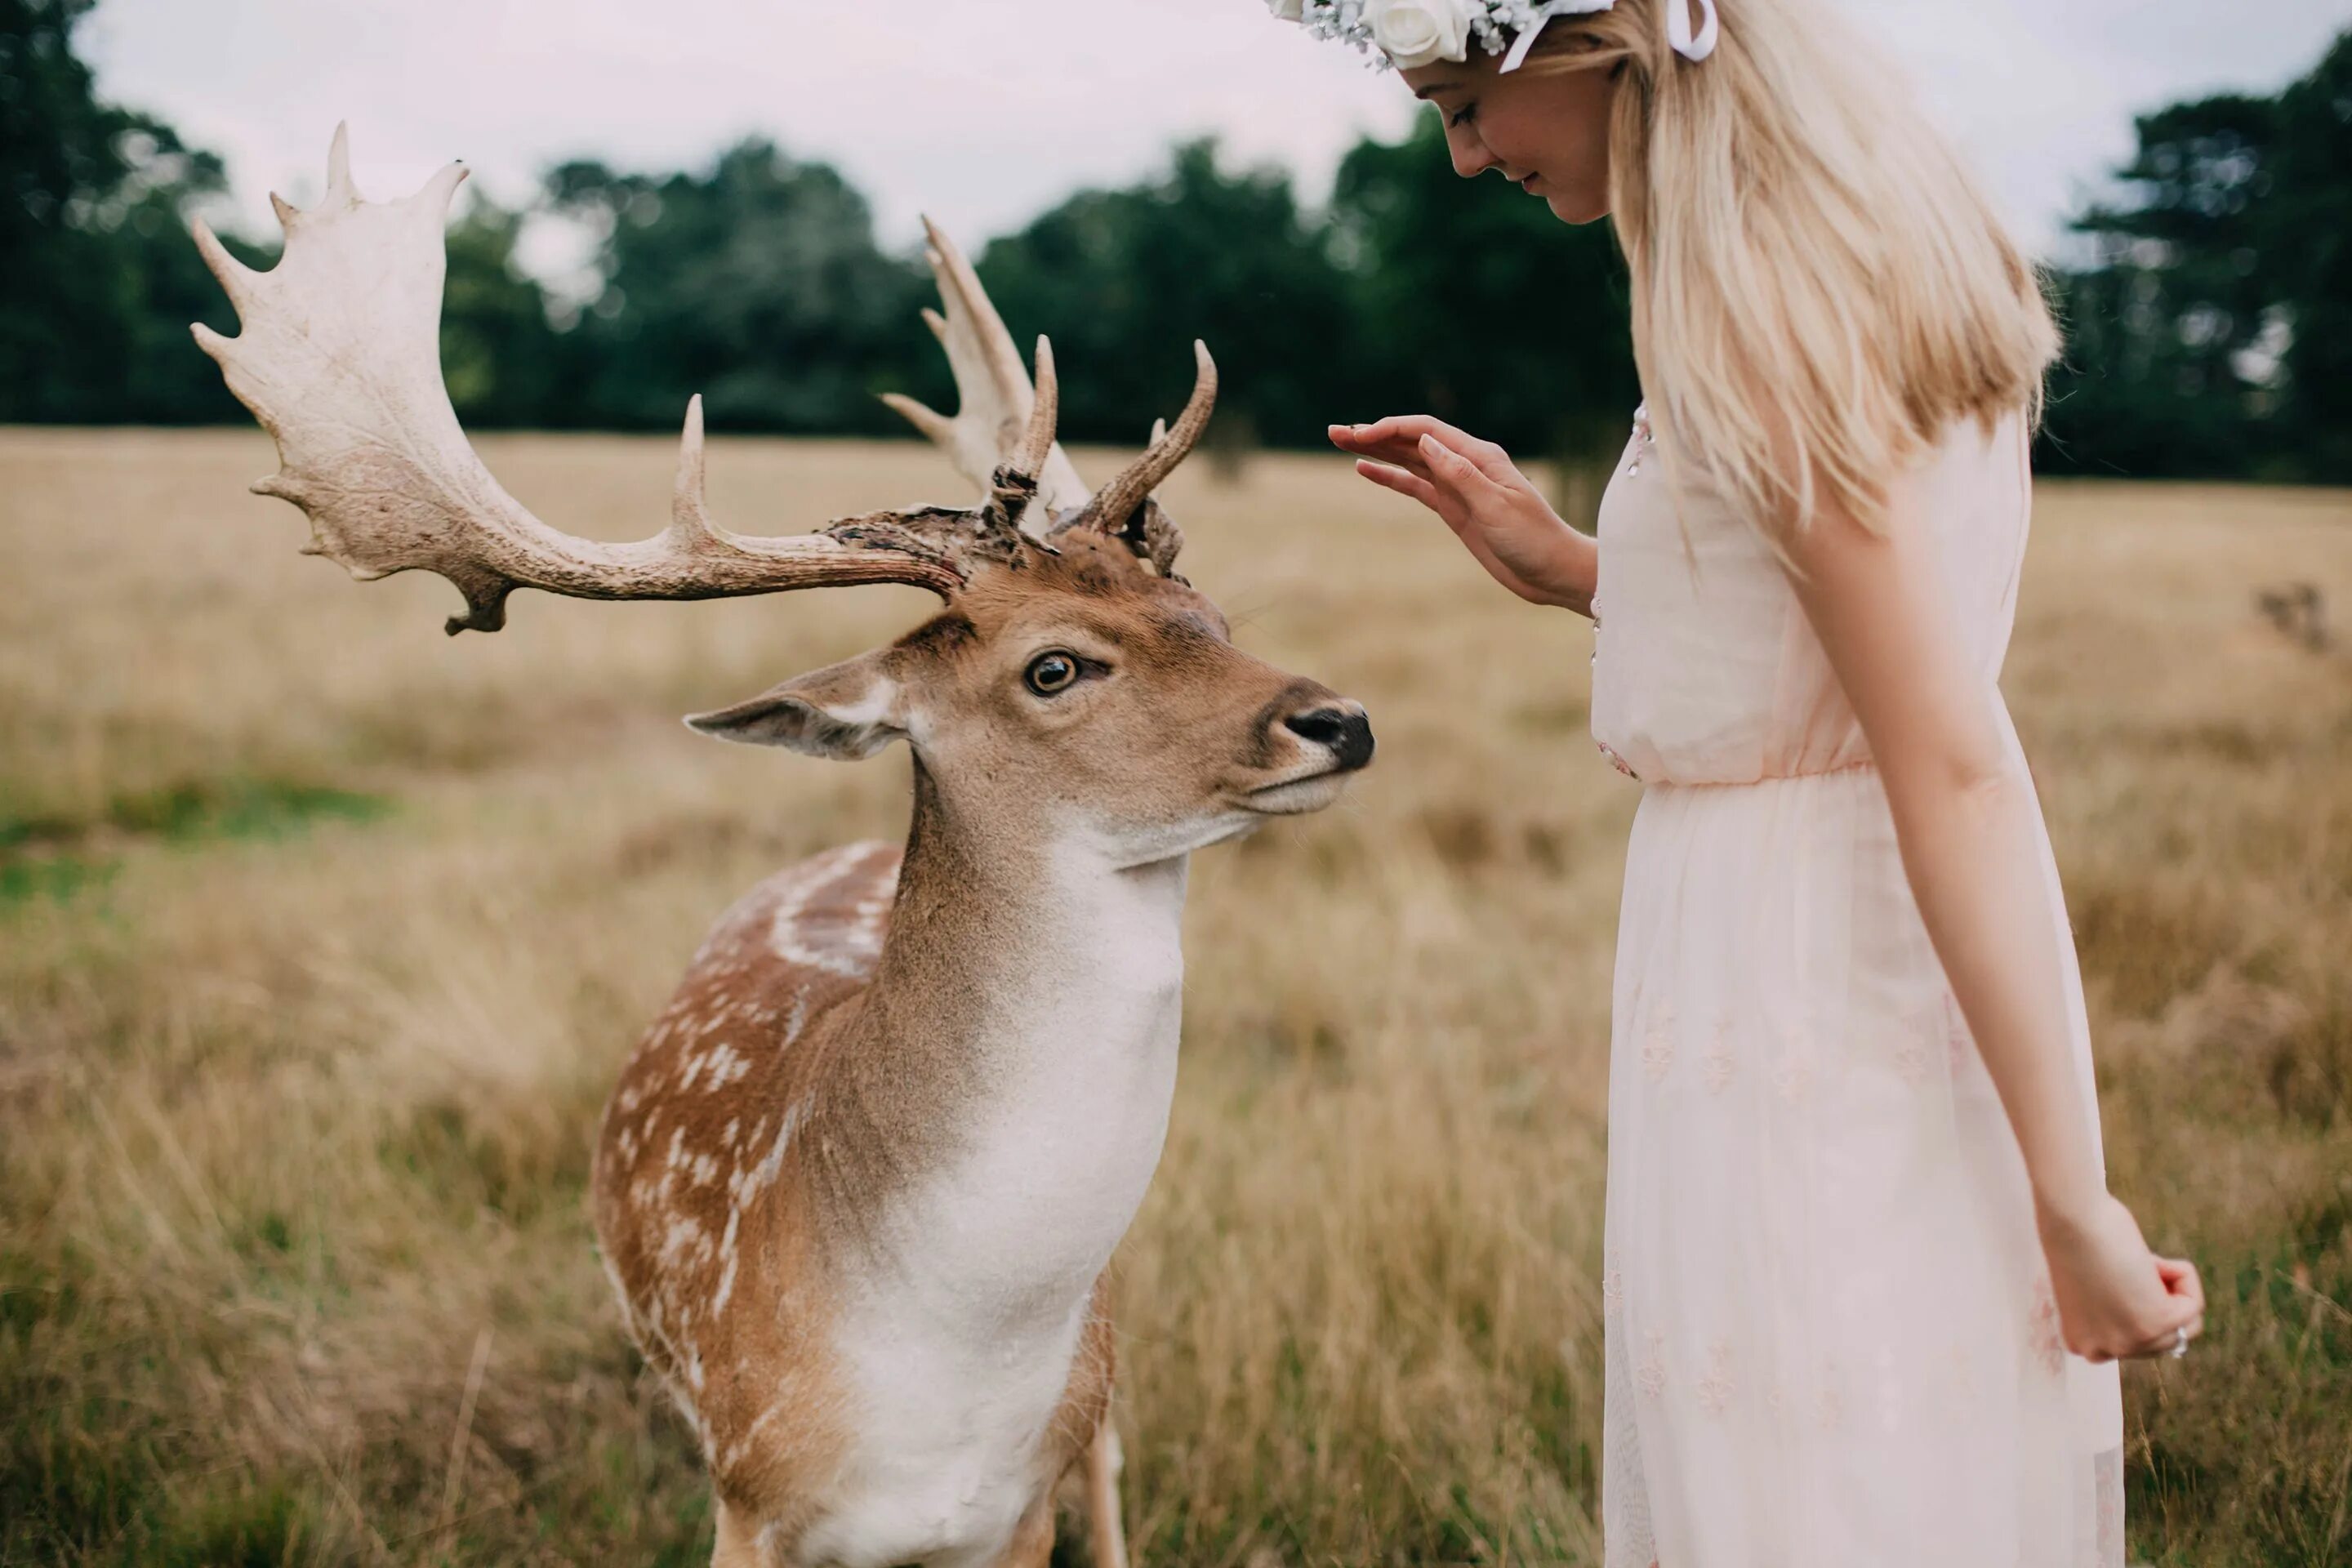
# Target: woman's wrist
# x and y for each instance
(1571, 587)
(2064, 1207)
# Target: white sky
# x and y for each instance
(984, 113)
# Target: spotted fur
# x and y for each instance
(693, 1196)
(711, 1176)
(859, 1184)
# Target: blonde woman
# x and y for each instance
(1863, 1284)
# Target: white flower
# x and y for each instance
(1287, 10)
(1420, 32)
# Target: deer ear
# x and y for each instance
(846, 710)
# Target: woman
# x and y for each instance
(1864, 1282)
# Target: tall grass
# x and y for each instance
(322, 937)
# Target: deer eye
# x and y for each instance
(1052, 673)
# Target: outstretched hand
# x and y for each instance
(1473, 485)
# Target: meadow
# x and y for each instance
(322, 937)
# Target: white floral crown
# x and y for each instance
(1409, 33)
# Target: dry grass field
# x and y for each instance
(322, 937)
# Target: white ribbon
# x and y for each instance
(1691, 46)
(1678, 29)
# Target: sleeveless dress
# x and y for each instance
(1831, 1340)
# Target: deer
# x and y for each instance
(859, 1186)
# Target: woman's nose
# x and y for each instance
(1471, 158)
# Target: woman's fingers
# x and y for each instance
(1427, 488)
(1399, 434)
(1450, 468)
(1397, 480)
(2179, 1277)
(1468, 483)
(2183, 1309)
(2163, 1344)
(1401, 451)
(1406, 427)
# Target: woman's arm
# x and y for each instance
(1970, 832)
(1491, 506)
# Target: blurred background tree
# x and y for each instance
(758, 284)
(2213, 334)
(102, 282)
(2209, 317)
(1482, 308)
(1125, 279)
(1478, 306)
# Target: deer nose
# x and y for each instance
(1346, 732)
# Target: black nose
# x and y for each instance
(1349, 735)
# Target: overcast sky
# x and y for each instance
(984, 113)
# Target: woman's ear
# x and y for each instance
(846, 710)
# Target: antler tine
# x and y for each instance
(339, 357)
(339, 167)
(995, 404)
(1044, 412)
(1012, 484)
(1117, 502)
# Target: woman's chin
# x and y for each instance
(1576, 209)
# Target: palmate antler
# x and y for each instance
(993, 396)
(993, 405)
(339, 357)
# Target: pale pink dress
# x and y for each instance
(1830, 1342)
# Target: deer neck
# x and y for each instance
(1010, 1081)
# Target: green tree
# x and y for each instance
(2311, 248)
(102, 281)
(1471, 301)
(504, 363)
(2213, 334)
(1124, 279)
(758, 284)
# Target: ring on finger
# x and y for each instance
(2180, 1342)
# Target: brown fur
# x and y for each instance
(703, 1145)
(834, 1024)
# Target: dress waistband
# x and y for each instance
(1864, 766)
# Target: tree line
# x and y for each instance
(2207, 332)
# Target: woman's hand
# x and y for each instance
(1969, 830)
(1490, 505)
(2115, 1298)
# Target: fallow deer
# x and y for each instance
(858, 1186)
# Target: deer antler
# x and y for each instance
(993, 399)
(1125, 507)
(339, 357)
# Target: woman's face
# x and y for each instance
(1547, 131)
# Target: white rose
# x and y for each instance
(1287, 10)
(1420, 32)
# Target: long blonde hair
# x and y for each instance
(1819, 287)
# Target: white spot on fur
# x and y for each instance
(683, 1236)
(727, 1275)
(765, 1175)
(728, 1066)
(853, 952)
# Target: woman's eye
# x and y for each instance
(1052, 672)
(1463, 115)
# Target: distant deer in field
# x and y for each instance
(2299, 610)
(858, 1185)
